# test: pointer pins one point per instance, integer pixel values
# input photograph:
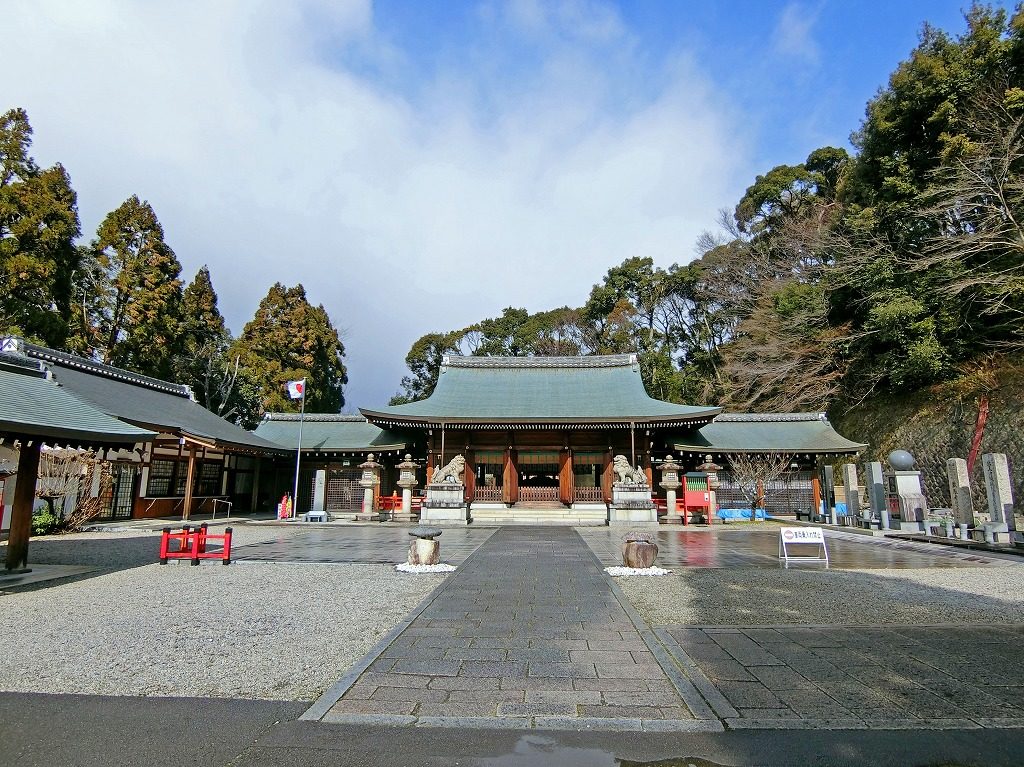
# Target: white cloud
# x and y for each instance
(793, 35)
(402, 212)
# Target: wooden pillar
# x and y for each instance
(816, 496)
(510, 477)
(566, 479)
(430, 458)
(190, 476)
(470, 475)
(254, 502)
(607, 476)
(21, 512)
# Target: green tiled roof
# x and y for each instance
(144, 401)
(807, 433)
(580, 391)
(328, 433)
(32, 405)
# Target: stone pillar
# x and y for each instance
(369, 482)
(670, 482)
(407, 481)
(851, 485)
(960, 491)
(999, 490)
(828, 490)
(320, 490)
(876, 491)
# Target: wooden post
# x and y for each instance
(470, 475)
(607, 477)
(566, 479)
(21, 513)
(510, 477)
(254, 501)
(816, 496)
(189, 479)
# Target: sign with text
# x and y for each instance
(797, 536)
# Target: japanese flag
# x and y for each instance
(297, 389)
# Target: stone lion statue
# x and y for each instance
(453, 471)
(626, 473)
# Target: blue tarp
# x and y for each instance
(727, 515)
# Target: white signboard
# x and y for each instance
(797, 536)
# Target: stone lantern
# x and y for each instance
(711, 468)
(670, 482)
(369, 482)
(407, 481)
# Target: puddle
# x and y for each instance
(536, 750)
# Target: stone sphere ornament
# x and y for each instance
(639, 549)
(901, 460)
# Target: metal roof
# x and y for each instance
(32, 405)
(522, 392)
(329, 433)
(796, 433)
(144, 401)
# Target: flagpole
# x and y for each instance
(298, 453)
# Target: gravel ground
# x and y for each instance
(252, 630)
(748, 596)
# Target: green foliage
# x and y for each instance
(45, 522)
(133, 293)
(289, 339)
(38, 226)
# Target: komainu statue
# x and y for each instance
(627, 475)
(452, 472)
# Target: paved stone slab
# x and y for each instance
(827, 677)
(527, 631)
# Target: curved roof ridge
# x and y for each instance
(580, 361)
(769, 417)
(108, 371)
(322, 417)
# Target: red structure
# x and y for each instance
(192, 545)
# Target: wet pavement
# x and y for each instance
(385, 545)
(528, 632)
(718, 547)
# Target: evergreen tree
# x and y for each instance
(136, 293)
(290, 339)
(38, 226)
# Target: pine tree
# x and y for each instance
(38, 226)
(137, 296)
(289, 339)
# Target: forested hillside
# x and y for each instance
(843, 282)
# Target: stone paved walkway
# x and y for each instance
(916, 677)
(531, 633)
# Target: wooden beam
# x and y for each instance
(565, 477)
(24, 499)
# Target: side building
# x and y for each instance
(197, 459)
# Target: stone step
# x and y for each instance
(533, 515)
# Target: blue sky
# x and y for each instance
(419, 166)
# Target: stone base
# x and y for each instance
(633, 517)
(400, 516)
(444, 515)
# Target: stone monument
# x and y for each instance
(903, 484)
(631, 496)
(851, 487)
(445, 503)
(670, 482)
(999, 491)
(876, 492)
(960, 494)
